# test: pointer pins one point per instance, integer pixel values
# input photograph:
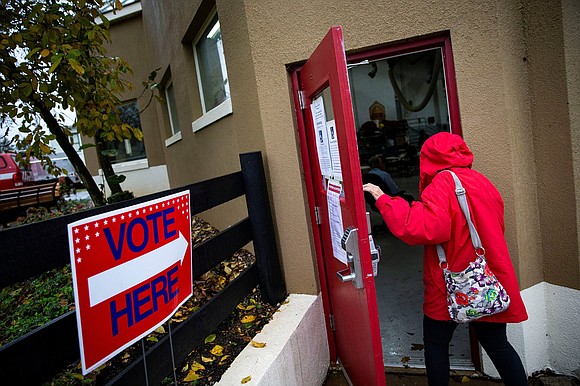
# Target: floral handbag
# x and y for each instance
(475, 291)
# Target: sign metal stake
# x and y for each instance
(145, 362)
(172, 356)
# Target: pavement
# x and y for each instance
(419, 378)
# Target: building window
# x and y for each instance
(171, 108)
(129, 149)
(212, 75)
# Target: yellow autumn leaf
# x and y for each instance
(217, 350)
(206, 360)
(257, 344)
(126, 356)
(44, 148)
(185, 368)
(45, 52)
(209, 338)
(160, 330)
(76, 66)
(465, 379)
(197, 366)
(248, 319)
(246, 379)
(224, 359)
(152, 339)
(192, 376)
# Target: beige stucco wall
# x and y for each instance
(505, 109)
(571, 21)
(552, 139)
(126, 46)
(517, 115)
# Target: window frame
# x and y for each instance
(173, 126)
(123, 144)
(223, 109)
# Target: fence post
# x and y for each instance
(270, 276)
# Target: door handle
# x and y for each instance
(346, 274)
(353, 273)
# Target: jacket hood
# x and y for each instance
(442, 151)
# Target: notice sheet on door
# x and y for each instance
(334, 152)
(319, 118)
(335, 219)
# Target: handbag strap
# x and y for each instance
(475, 240)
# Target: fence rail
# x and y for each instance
(34, 249)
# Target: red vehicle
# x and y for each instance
(11, 176)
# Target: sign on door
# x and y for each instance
(131, 270)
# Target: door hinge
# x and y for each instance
(317, 215)
(301, 99)
(331, 318)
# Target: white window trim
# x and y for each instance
(174, 138)
(215, 114)
(131, 165)
(220, 111)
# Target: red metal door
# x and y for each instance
(332, 170)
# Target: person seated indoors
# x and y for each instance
(385, 180)
(377, 167)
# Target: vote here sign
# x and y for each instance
(131, 270)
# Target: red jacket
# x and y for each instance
(437, 219)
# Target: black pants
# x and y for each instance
(492, 336)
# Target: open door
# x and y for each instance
(338, 212)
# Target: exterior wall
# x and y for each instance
(571, 16)
(544, 40)
(512, 64)
(135, 51)
(504, 108)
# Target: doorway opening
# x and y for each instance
(401, 96)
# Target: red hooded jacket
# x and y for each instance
(437, 219)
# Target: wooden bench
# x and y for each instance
(14, 201)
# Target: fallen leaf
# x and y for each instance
(206, 360)
(192, 376)
(126, 356)
(224, 359)
(197, 366)
(185, 368)
(209, 338)
(227, 270)
(248, 319)
(257, 344)
(152, 339)
(246, 379)
(465, 379)
(217, 350)
(160, 330)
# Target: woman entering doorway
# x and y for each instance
(400, 100)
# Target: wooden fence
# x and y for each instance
(33, 249)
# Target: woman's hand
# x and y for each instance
(374, 190)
